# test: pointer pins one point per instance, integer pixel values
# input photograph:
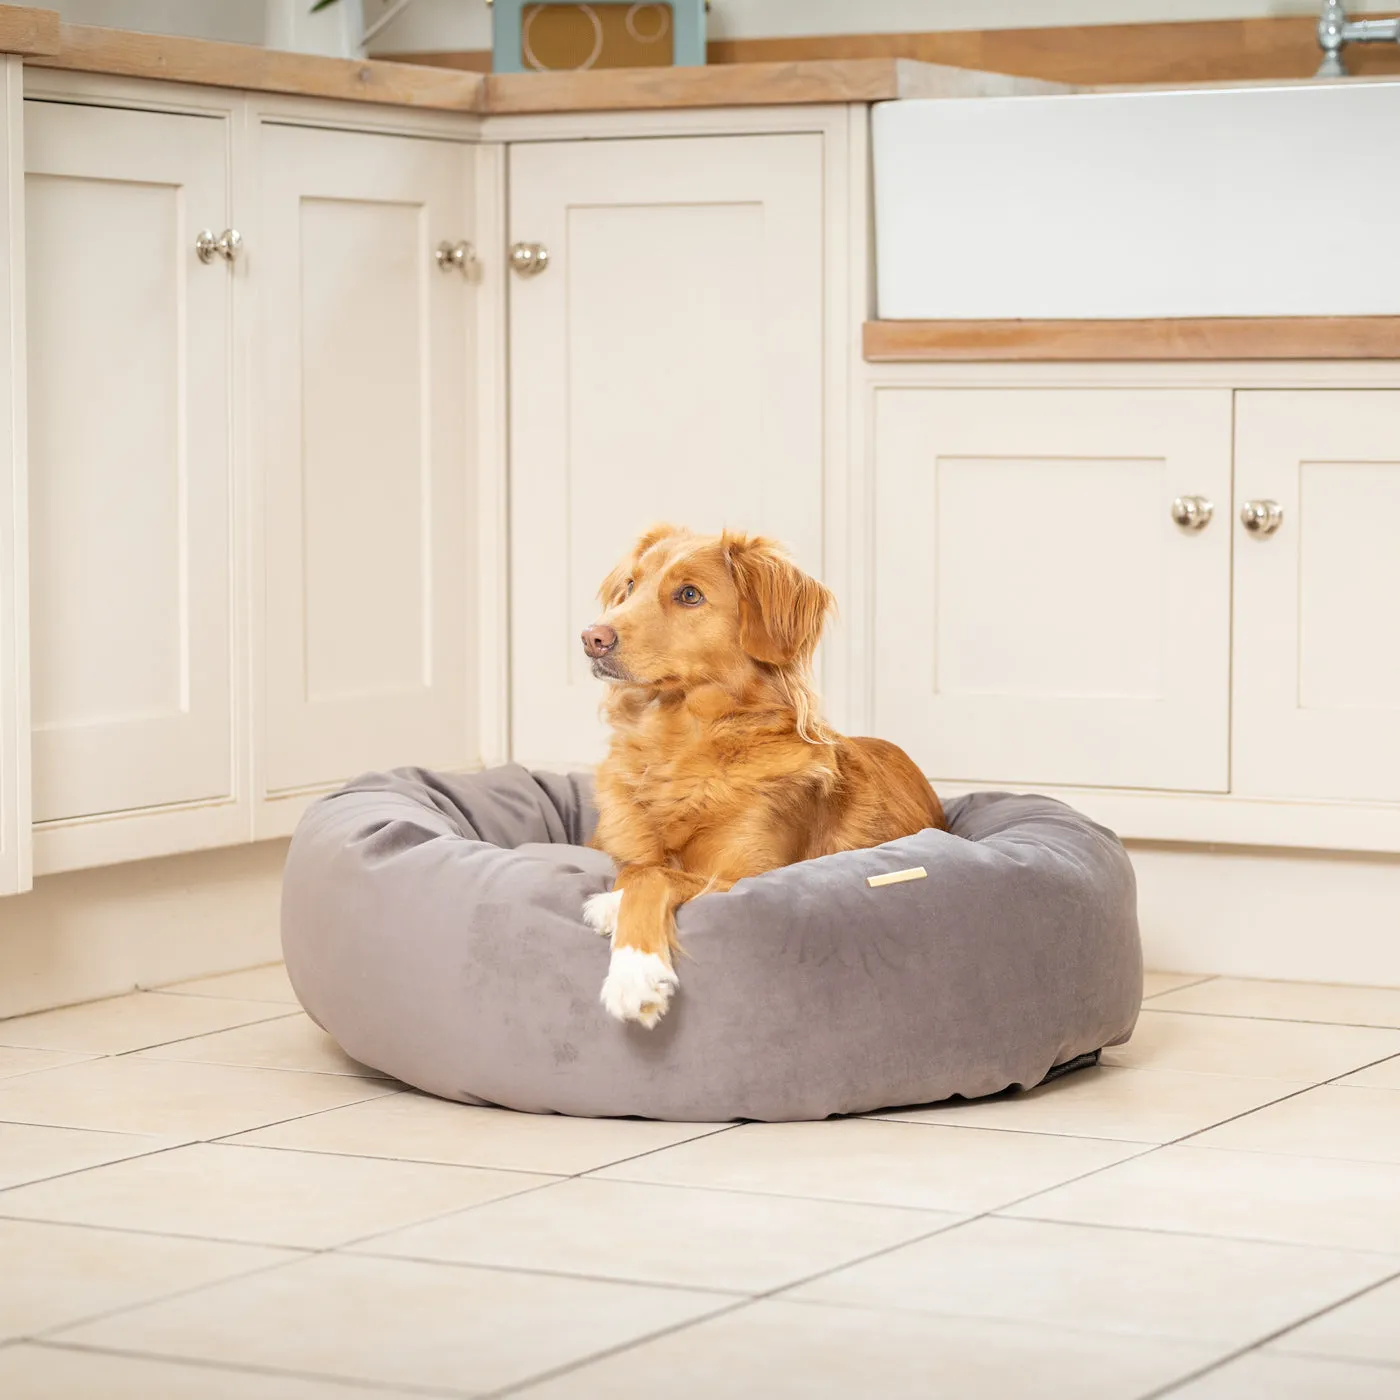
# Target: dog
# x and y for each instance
(720, 765)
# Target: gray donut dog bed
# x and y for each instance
(432, 924)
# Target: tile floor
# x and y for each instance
(201, 1196)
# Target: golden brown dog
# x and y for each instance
(720, 765)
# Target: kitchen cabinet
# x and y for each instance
(15, 824)
(666, 363)
(364, 335)
(1039, 616)
(1317, 595)
(131, 421)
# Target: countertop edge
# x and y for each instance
(29, 32)
(46, 43)
(1163, 338)
(166, 58)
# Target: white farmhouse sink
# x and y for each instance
(1246, 201)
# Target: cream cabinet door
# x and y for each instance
(129, 445)
(363, 347)
(1039, 618)
(1317, 600)
(15, 843)
(665, 365)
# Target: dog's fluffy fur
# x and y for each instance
(720, 764)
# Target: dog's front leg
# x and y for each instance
(641, 977)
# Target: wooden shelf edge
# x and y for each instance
(1186, 338)
(29, 32)
(123, 53)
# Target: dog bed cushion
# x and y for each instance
(432, 924)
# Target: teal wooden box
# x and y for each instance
(509, 41)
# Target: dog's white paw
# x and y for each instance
(600, 911)
(638, 986)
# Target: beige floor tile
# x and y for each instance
(1385, 1075)
(1366, 1329)
(255, 984)
(1155, 983)
(1242, 1195)
(1237, 1045)
(876, 1162)
(1263, 1375)
(132, 1022)
(1329, 1121)
(791, 1351)
(420, 1128)
(17, 1061)
(396, 1322)
(29, 1153)
(1134, 1105)
(128, 1095)
(290, 1042)
(1288, 1001)
(1088, 1278)
(54, 1275)
(255, 1195)
(661, 1234)
(48, 1372)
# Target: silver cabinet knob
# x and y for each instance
(1192, 512)
(529, 259)
(457, 257)
(1261, 517)
(226, 245)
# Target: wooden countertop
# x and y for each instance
(1186, 338)
(26, 31)
(747, 85)
(38, 35)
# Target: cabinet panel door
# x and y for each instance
(129, 441)
(666, 365)
(363, 350)
(15, 843)
(1317, 603)
(1038, 616)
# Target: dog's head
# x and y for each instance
(684, 610)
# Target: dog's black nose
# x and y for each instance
(599, 640)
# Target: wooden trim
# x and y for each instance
(1283, 46)
(120, 53)
(25, 31)
(1193, 338)
(744, 85)
(85, 49)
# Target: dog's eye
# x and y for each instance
(631, 584)
(690, 596)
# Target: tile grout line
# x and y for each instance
(775, 1294)
(1271, 1020)
(89, 1055)
(542, 1377)
(49, 1333)
(248, 1369)
(1270, 1337)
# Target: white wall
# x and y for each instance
(237, 21)
(466, 24)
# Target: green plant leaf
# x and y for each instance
(321, 5)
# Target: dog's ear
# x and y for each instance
(781, 609)
(613, 584)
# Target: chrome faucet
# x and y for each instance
(1335, 31)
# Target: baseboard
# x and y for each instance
(1290, 915)
(96, 933)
